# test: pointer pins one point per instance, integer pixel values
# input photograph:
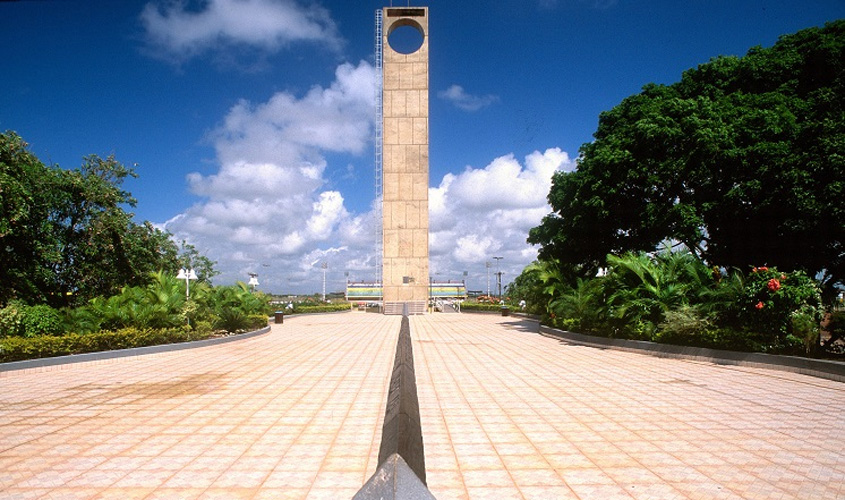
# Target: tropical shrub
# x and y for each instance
(323, 308)
(475, 306)
(641, 289)
(775, 303)
(672, 297)
(236, 307)
(11, 320)
(580, 308)
(685, 325)
(20, 320)
(42, 320)
(836, 328)
(20, 348)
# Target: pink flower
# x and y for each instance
(764, 268)
(774, 285)
(760, 305)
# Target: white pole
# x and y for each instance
(325, 266)
(487, 265)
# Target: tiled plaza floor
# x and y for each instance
(296, 413)
(506, 413)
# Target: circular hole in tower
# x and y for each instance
(406, 38)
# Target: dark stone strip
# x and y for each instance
(402, 431)
(394, 480)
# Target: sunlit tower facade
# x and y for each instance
(404, 164)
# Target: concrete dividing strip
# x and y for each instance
(394, 480)
(401, 458)
(122, 353)
(831, 370)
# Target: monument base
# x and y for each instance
(405, 308)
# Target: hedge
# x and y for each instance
(472, 306)
(20, 348)
(321, 308)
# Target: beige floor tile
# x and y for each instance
(505, 412)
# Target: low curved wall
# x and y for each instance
(831, 370)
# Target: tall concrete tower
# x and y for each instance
(405, 278)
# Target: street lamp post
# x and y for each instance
(187, 275)
(324, 266)
(487, 265)
(498, 276)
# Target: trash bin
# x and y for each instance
(280, 317)
(506, 311)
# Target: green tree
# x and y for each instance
(528, 287)
(27, 242)
(191, 258)
(741, 160)
(66, 236)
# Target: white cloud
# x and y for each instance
(467, 102)
(182, 32)
(266, 204)
(479, 213)
(267, 208)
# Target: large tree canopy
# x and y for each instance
(742, 160)
(65, 236)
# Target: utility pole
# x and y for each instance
(324, 266)
(487, 265)
(498, 276)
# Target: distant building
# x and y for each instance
(372, 292)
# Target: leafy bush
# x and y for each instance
(565, 324)
(19, 348)
(257, 321)
(475, 306)
(805, 326)
(580, 306)
(324, 308)
(85, 319)
(641, 288)
(671, 297)
(11, 320)
(684, 326)
(770, 301)
(203, 327)
(20, 320)
(42, 320)
(231, 320)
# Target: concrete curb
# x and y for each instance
(122, 353)
(831, 370)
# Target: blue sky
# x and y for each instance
(250, 121)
